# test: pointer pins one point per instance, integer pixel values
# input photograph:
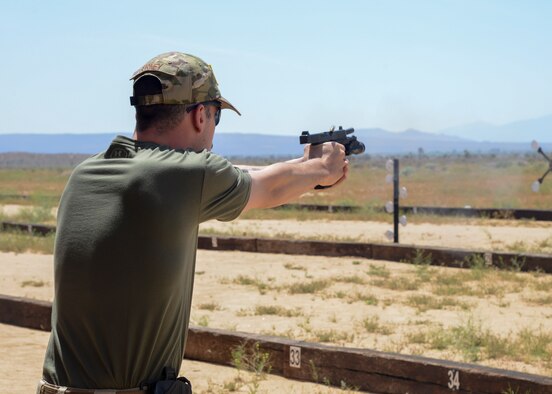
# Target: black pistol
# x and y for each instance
(351, 144)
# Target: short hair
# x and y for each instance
(162, 117)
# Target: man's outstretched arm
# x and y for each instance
(280, 183)
(249, 168)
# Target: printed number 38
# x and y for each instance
(454, 379)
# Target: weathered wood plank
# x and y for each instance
(493, 213)
(320, 207)
(25, 312)
(369, 370)
(32, 229)
(447, 257)
(440, 256)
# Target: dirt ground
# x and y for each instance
(23, 353)
(498, 235)
(471, 234)
(343, 301)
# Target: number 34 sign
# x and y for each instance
(454, 379)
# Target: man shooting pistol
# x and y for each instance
(352, 145)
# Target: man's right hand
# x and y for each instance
(279, 183)
(332, 155)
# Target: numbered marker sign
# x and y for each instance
(295, 357)
(454, 379)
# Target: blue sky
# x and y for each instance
(287, 65)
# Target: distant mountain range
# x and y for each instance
(477, 137)
(539, 129)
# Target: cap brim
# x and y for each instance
(225, 104)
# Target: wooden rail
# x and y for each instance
(447, 257)
(33, 229)
(373, 371)
(320, 208)
(492, 213)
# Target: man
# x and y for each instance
(128, 219)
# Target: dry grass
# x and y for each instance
(449, 180)
(476, 343)
(277, 311)
(32, 186)
(374, 288)
(310, 287)
(18, 242)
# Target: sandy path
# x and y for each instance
(23, 353)
(469, 233)
(496, 235)
(230, 287)
(13, 209)
(31, 275)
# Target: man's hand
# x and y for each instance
(332, 155)
(279, 183)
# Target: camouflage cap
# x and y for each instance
(185, 79)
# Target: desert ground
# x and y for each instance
(496, 318)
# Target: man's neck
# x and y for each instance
(176, 139)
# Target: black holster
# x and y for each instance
(170, 384)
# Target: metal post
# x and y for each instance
(396, 201)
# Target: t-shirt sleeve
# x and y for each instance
(225, 190)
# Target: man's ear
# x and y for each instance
(199, 118)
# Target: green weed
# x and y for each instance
(399, 283)
(309, 287)
(297, 267)
(248, 281)
(372, 325)
(203, 321)
(33, 283)
(331, 336)
(368, 299)
(475, 343)
(355, 279)
(378, 270)
(210, 306)
(251, 358)
(424, 303)
(277, 310)
(420, 258)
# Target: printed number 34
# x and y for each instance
(454, 379)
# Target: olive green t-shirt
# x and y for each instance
(124, 260)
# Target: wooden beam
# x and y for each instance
(492, 213)
(24, 312)
(447, 257)
(33, 229)
(320, 208)
(373, 371)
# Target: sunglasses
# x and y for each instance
(213, 103)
